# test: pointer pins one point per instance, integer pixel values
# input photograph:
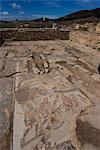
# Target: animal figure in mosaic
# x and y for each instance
(42, 118)
(67, 145)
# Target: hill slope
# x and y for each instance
(81, 14)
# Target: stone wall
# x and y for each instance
(1, 39)
(87, 38)
(98, 28)
(35, 35)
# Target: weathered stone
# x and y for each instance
(88, 134)
(8, 68)
(23, 95)
(4, 142)
(6, 105)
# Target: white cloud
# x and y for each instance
(4, 13)
(27, 0)
(21, 13)
(16, 6)
(36, 15)
(52, 3)
(47, 16)
(85, 1)
(0, 7)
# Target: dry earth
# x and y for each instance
(49, 96)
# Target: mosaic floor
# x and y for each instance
(52, 87)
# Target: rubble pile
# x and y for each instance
(86, 35)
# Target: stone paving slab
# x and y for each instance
(6, 102)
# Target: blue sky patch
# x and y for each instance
(32, 9)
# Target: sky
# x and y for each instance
(33, 9)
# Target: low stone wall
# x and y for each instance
(87, 38)
(1, 39)
(35, 35)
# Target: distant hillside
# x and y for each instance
(84, 15)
